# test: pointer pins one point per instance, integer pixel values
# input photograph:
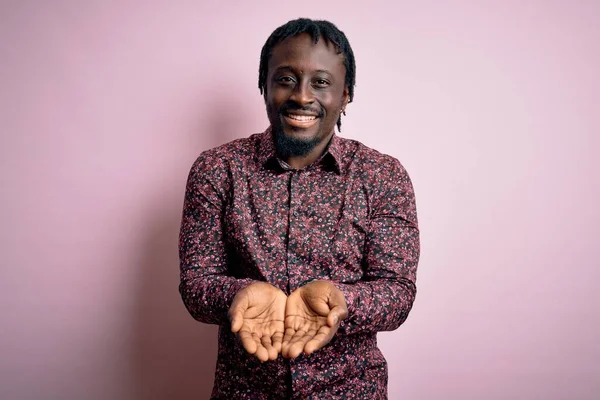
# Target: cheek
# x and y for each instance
(333, 109)
(271, 105)
(275, 99)
(332, 103)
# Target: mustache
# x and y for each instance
(291, 106)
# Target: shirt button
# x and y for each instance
(295, 213)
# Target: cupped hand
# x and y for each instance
(312, 316)
(257, 318)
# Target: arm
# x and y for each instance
(206, 288)
(382, 300)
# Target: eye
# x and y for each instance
(285, 80)
(321, 83)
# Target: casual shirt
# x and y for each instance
(349, 218)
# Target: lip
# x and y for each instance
(298, 123)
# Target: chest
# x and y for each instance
(315, 222)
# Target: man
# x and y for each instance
(300, 244)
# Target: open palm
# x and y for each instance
(312, 317)
(257, 317)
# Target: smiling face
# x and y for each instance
(304, 95)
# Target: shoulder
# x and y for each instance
(219, 160)
(385, 179)
(368, 161)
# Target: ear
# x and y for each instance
(345, 98)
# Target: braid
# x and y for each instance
(316, 29)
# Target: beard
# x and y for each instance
(290, 146)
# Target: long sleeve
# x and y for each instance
(206, 288)
(382, 299)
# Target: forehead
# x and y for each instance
(302, 53)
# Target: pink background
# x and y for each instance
(493, 107)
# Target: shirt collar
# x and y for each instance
(267, 155)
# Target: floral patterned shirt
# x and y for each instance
(349, 218)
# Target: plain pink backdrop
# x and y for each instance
(493, 107)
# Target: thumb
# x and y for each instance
(339, 309)
(336, 315)
(237, 320)
(236, 313)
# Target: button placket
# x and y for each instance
(293, 232)
(294, 195)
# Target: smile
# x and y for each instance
(302, 117)
(300, 121)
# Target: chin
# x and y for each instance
(295, 142)
(304, 135)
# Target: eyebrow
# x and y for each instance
(288, 68)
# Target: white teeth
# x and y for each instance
(302, 117)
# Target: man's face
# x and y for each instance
(305, 92)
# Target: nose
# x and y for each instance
(302, 93)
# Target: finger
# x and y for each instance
(336, 315)
(298, 345)
(295, 337)
(268, 345)
(296, 348)
(292, 336)
(319, 340)
(289, 334)
(261, 353)
(277, 341)
(285, 346)
(248, 341)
